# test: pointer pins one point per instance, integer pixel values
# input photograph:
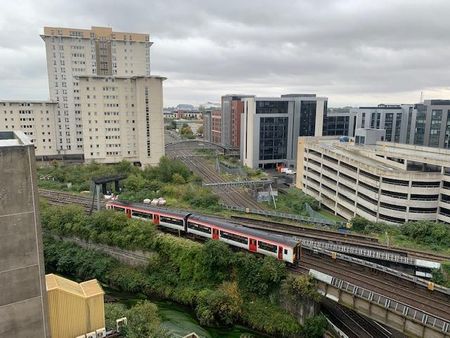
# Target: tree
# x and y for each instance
(219, 307)
(315, 327)
(143, 320)
(200, 130)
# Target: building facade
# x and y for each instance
(97, 51)
(386, 182)
(340, 122)
(270, 127)
(37, 119)
(122, 118)
(23, 298)
(424, 124)
(232, 109)
(83, 301)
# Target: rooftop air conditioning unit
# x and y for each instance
(121, 322)
(91, 335)
(101, 333)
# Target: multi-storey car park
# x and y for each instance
(385, 182)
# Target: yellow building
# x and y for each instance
(75, 309)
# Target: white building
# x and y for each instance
(36, 119)
(386, 182)
(122, 118)
(73, 52)
(270, 127)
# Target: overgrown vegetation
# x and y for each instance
(170, 179)
(143, 320)
(426, 235)
(429, 234)
(186, 132)
(295, 201)
(222, 286)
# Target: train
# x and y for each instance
(256, 241)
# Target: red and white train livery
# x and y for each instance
(266, 243)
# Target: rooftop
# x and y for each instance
(86, 289)
(13, 138)
(94, 33)
(121, 77)
(383, 156)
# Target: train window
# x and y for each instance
(142, 215)
(285, 251)
(171, 220)
(119, 208)
(267, 246)
(199, 227)
(233, 237)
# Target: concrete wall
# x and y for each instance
(23, 299)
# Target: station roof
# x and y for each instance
(86, 289)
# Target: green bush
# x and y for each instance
(143, 320)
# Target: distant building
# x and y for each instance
(37, 119)
(232, 109)
(339, 122)
(386, 182)
(75, 309)
(122, 118)
(73, 52)
(23, 299)
(188, 114)
(212, 126)
(270, 127)
(425, 124)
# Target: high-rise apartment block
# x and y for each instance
(270, 127)
(122, 118)
(77, 56)
(36, 119)
(23, 298)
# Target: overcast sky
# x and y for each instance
(352, 51)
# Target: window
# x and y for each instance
(267, 246)
(273, 138)
(170, 220)
(272, 107)
(233, 237)
(199, 227)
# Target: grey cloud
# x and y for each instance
(353, 51)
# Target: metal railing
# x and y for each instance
(388, 303)
(305, 219)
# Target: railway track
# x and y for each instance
(352, 323)
(400, 290)
(229, 195)
(337, 237)
(65, 198)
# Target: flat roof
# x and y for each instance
(29, 101)
(366, 155)
(13, 138)
(121, 77)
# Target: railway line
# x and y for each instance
(65, 198)
(404, 292)
(336, 237)
(400, 290)
(352, 323)
(229, 195)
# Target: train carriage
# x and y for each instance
(281, 247)
(266, 243)
(160, 216)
